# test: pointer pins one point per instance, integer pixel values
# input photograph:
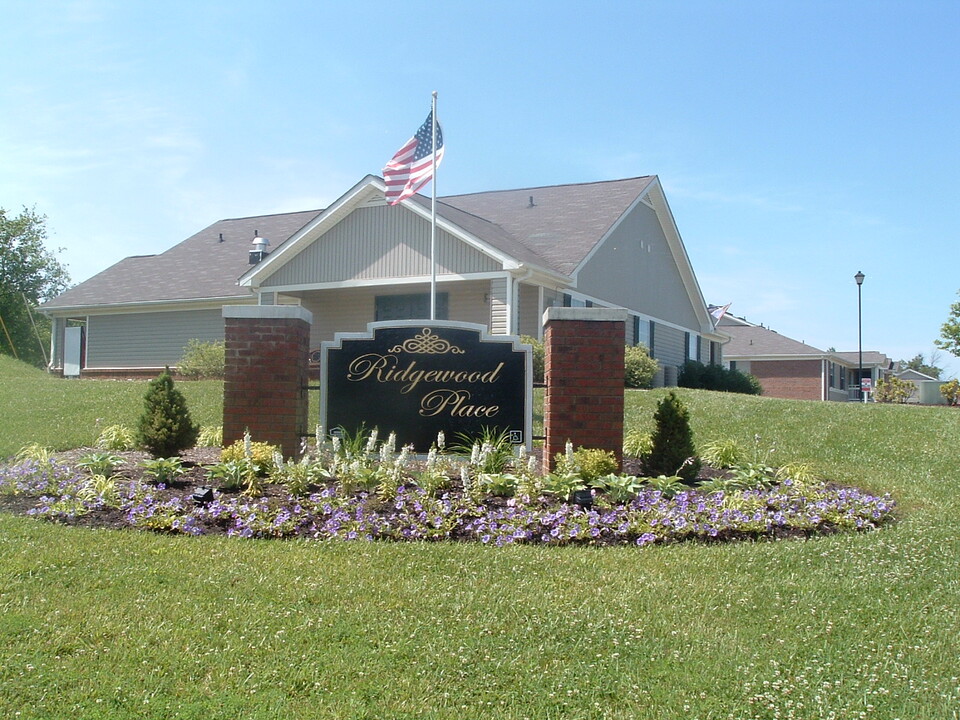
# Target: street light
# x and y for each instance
(859, 278)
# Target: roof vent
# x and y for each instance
(221, 237)
(259, 251)
(531, 202)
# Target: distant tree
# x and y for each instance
(29, 275)
(949, 339)
(919, 364)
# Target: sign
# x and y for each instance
(417, 378)
(866, 384)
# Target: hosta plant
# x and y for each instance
(100, 463)
(236, 475)
(619, 489)
(668, 485)
(163, 470)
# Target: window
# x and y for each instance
(641, 333)
(570, 301)
(692, 350)
(410, 307)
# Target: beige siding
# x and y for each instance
(634, 268)
(499, 306)
(148, 339)
(375, 243)
(349, 310)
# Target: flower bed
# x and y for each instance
(330, 512)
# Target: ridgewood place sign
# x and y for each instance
(418, 378)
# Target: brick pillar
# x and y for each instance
(584, 350)
(264, 388)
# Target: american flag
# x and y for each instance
(412, 165)
(718, 312)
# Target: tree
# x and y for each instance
(949, 339)
(29, 275)
(919, 364)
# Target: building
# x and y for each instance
(502, 258)
(790, 369)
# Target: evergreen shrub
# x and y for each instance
(672, 451)
(165, 428)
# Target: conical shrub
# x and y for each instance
(672, 451)
(165, 428)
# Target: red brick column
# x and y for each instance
(264, 389)
(584, 350)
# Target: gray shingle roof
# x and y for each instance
(751, 340)
(565, 221)
(199, 267)
(557, 232)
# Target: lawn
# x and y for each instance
(116, 624)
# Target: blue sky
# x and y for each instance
(798, 142)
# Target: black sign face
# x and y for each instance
(418, 378)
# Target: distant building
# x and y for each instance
(787, 368)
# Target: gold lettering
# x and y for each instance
(364, 366)
(453, 402)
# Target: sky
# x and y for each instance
(797, 142)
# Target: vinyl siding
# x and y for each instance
(499, 306)
(148, 339)
(376, 243)
(349, 310)
(668, 345)
(634, 268)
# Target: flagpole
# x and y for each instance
(433, 216)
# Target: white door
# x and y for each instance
(71, 351)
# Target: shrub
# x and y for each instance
(639, 367)
(694, 374)
(165, 428)
(538, 357)
(260, 454)
(893, 390)
(594, 463)
(672, 451)
(202, 360)
(951, 392)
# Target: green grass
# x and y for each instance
(120, 624)
(61, 414)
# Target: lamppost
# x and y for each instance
(859, 278)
